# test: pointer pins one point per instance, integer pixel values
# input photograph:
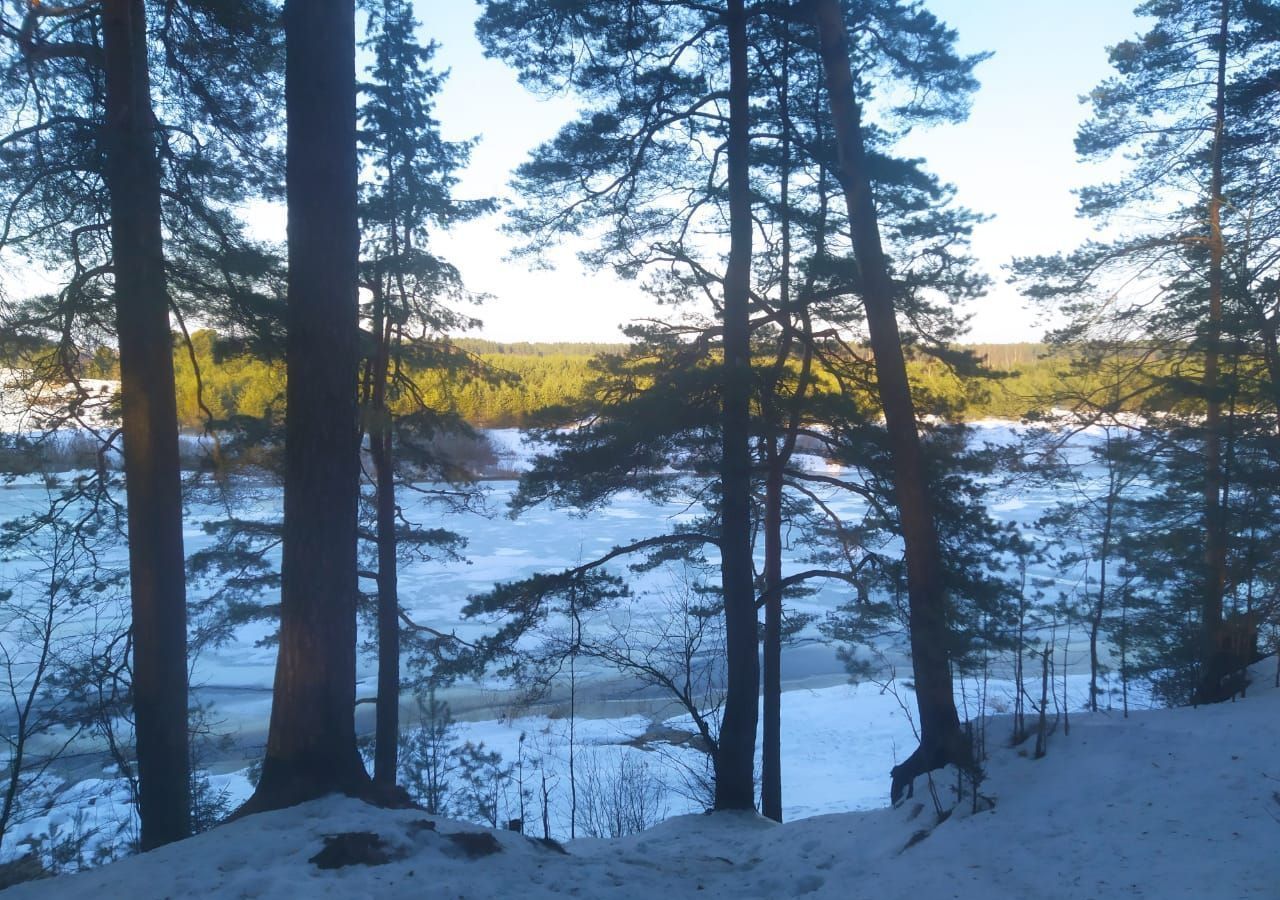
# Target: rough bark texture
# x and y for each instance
(1215, 537)
(152, 479)
(311, 745)
(941, 739)
(735, 757)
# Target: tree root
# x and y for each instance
(289, 783)
(954, 750)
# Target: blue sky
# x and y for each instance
(1013, 159)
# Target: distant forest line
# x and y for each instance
(514, 384)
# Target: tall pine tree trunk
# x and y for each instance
(735, 756)
(1215, 534)
(776, 462)
(941, 740)
(152, 479)
(311, 745)
(387, 727)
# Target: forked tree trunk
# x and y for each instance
(153, 484)
(941, 740)
(735, 756)
(311, 745)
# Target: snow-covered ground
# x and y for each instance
(838, 744)
(1180, 803)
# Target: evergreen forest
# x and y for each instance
(281, 519)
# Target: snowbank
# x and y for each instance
(1180, 803)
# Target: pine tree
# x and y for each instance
(1188, 105)
(633, 430)
(735, 761)
(311, 745)
(941, 740)
(102, 169)
(157, 578)
(414, 173)
(645, 87)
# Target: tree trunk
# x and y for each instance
(735, 756)
(776, 460)
(1215, 544)
(1104, 560)
(387, 729)
(153, 484)
(311, 745)
(771, 749)
(941, 739)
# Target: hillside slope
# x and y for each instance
(1180, 803)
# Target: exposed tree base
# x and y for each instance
(954, 750)
(1219, 688)
(1225, 673)
(289, 783)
